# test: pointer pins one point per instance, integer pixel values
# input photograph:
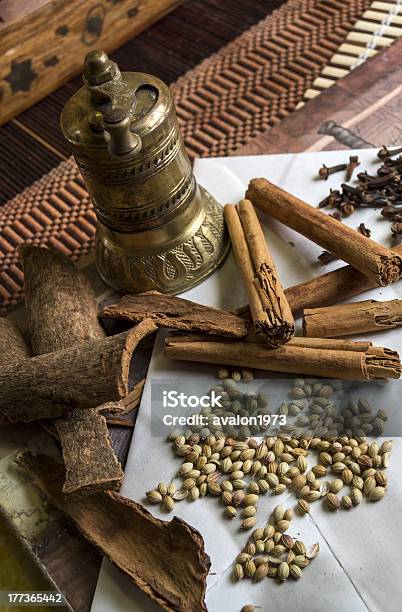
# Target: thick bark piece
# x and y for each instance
(122, 413)
(176, 313)
(60, 304)
(83, 376)
(13, 349)
(62, 312)
(164, 559)
(382, 266)
(349, 319)
(270, 310)
(91, 465)
(375, 362)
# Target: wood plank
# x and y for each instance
(44, 48)
(363, 109)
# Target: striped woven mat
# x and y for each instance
(231, 97)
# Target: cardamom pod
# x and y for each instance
(238, 572)
(299, 548)
(313, 551)
(231, 512)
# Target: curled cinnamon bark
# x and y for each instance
(176, 313)
(349, 319)
(375, 362)
(62, 312)
(59, 300)
(382, 266)
(270, 310)
(13, 349)
(83, 376)
(166, 560)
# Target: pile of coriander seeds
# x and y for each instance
(272, 553)
(347, 467)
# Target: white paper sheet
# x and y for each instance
(358, 568)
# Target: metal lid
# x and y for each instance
(114, 113)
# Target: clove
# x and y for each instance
(352, 165)
(364, 230)
(375, 182)
(334, 198)
(346, 209)
(391, 212)
(326, 257)
(384, 152)
(325, 171)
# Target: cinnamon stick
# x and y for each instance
(166, 560)
(329, 288)
(327, 363)
(176, 313)
(13, 349)
(339, 344)
(270, 310)
(62, 312)
(83, 376)
(326, 289)
(382, 266)
(349, 319)
(331, 344)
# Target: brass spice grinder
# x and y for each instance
(157, 228)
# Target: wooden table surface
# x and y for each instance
(32, 144)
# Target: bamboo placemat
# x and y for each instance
(226, 101)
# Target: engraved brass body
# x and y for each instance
(157, 229)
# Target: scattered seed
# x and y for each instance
(168, 503)
(231, 512)
(377, 493)
(248, 523)
(333, 501)
(303, 506)
(283, 571)
(154, 497)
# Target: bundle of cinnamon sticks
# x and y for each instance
(271, 308)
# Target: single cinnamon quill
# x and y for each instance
(326, 289)
(382, 266)
(375, 362)
(349, 319)
(270, 310)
